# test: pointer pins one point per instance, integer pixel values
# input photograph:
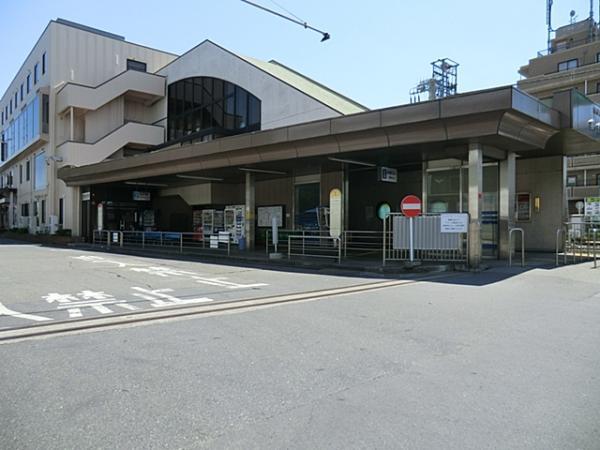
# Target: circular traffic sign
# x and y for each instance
(411, 206)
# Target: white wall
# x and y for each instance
(282, 104)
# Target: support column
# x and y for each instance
(346, 198)
(475, 193)
(71, 125)
(506, 202)
(250, 208)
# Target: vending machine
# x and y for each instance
(235, 222)
(212, 221)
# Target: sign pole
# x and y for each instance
(411, 239)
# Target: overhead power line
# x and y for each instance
(295, 20)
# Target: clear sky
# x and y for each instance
(379, 48)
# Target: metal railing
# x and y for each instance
(168, 241)
(360, 244)
(430, 244)
(315, 246)
(283, 234)
(579, 242)
(511, 249)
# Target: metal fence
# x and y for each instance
(315, 246)
(577, 242)
(430, 244)
(167, 241)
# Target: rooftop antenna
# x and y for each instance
(549, 4)
(297, 20)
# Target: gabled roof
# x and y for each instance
(323, 94)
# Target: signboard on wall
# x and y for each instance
(454, 223)
(266, 214)
(387, 174)
(592, 207)
(85, 196)
(523, 210)
(141, 196)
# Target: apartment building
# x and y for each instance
(572, 61)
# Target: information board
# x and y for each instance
(266, 214)
(454, 223)
(592, 206)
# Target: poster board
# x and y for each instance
(592, 207)
(523, 207)
(454, 223)
(266, 213)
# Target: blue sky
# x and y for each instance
(378, 51)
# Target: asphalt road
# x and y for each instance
(502, 359)
(42, 284)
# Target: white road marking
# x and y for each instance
(4, 311)
(74, 313)
(102, 309)
(127, 306)
(160, 298)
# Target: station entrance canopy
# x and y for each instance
(501, 120)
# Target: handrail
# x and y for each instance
(560, 231)
(336, 240)
(510, 245)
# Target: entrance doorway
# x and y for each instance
(307, 200)
(448, 192)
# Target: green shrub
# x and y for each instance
(63, 232)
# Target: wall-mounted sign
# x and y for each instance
(523, 210)
(454, 223)
(383, 211)
(86, 196)
(387, 174)
(141, 196)
(592, 207)
(335, 213)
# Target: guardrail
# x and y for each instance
(315, 247)
(283, 234)
(580, 242)
(511, 231)
(181, 242)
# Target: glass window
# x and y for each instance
(43, 211)
(204, 103)
(28, 171)
(567, 65)
(20, 173)
(44, 63)
(136, 65)
(16, 98)
(39, 178)
(22, 90)
(35, 73)
(28, 82)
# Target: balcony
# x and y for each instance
(144, 86)
(580, 192)
(132, 133)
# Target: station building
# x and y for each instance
(98, 132)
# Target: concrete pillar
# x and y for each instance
(475, 192)
(506, 204)
(71, 125)
(250, 208)
(346, 198)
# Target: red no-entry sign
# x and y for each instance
(411, 206)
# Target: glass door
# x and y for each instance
(307, 201)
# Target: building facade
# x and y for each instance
(571, 61)
(127, 138)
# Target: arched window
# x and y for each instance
(204, 105)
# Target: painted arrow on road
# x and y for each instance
(4, 311)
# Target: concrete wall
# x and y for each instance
(281, 104)
(543, 177)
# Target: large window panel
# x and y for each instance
(204, 103)
(40, 181)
